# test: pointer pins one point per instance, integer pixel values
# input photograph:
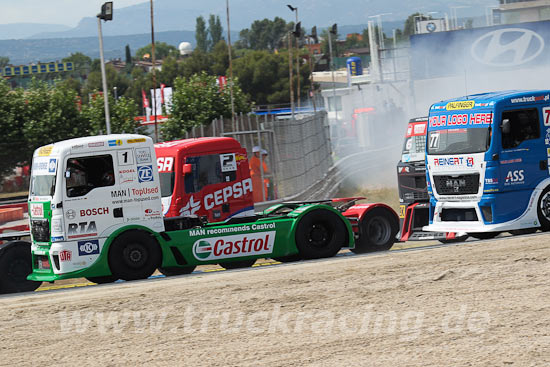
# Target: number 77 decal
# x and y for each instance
(546, 116)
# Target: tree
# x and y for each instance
(265, 34)
(4, 61)
(220, 58)
(162, 50)
(122, 114)
(12, 117)
(114, 79)
(201, 35)
(197, 101)
(215, 30)
(128, 55)
(410, 24)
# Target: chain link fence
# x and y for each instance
(299, 149)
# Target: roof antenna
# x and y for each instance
(466, 84)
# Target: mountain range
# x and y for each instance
(175, 22)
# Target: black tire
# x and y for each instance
(173, 271)
(15, 266)
(238, 264)
(103, 280)
(377, 231)
(519, 232)
(484, 235)
(543, 209)
(134, 255)
(288, 259)
(320, 233)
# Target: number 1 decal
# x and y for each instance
(125, 157)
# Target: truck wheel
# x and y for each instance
(484, 235)
(377, 231)
(238, 264)
(175, 270)
(288, 259)
(134, 255)
(320, 233)
(102, 280)
(15, 266)
(543, 209)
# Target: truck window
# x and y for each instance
(166, 183)
(524, 125)
(206, 171)
(459, 141)
(87, 173)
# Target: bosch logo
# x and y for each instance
(88, 247)
(507, 47)
(145, 173)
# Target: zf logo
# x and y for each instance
(145, 173)
(88, 247)
(515, 177)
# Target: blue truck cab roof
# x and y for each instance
(490, 99)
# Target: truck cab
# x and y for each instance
(205, 177)
(488, 161)
(82, 191)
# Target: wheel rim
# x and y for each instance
(379, 231)
(135, 255)
(545, 206)
(318, 235)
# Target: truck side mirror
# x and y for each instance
(187, 169)
(506, 127)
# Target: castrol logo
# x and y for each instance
(226, 247)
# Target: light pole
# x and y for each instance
(334, 31)
(380, 30)
(106, 14)
(230, 65)
(297, 31)
(154, 99)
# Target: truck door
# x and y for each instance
(214, 187)
(523, 159)
(89, 207)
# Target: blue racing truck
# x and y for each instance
(488, 159)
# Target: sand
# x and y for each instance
(478, 304)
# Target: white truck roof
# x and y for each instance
(91, 143)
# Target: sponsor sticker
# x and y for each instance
(460, 105)
(65, 255)
(516, 177)
(114, 143)
(134, 141)
(143, 155)
(37, 210)
(52, 166)
(227, 247)
(45, 151)
(89, 247)
(82, 229)
(145, 173)
(228, 162)
(70, 214)
(58, 239)
(165, 164)
(96, 144)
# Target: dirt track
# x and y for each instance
(477, 304)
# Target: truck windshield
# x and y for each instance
(459, 141)
(42, 185)
(166, 183)
(413, 149)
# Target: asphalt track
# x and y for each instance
(406, 247)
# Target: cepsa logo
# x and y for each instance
(234, 246)
(454, 161)
(165, 164)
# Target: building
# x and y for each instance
(520, 11)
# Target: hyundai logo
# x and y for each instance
(507, 47)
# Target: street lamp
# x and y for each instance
(106, 14)
(297, 35)
(334, 31)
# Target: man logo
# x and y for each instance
(71, 214)
(507, 47)
(145, 173)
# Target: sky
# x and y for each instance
(65, 12)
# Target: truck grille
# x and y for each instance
(457, 185)
(40, 229)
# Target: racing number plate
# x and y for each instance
(402, 209)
